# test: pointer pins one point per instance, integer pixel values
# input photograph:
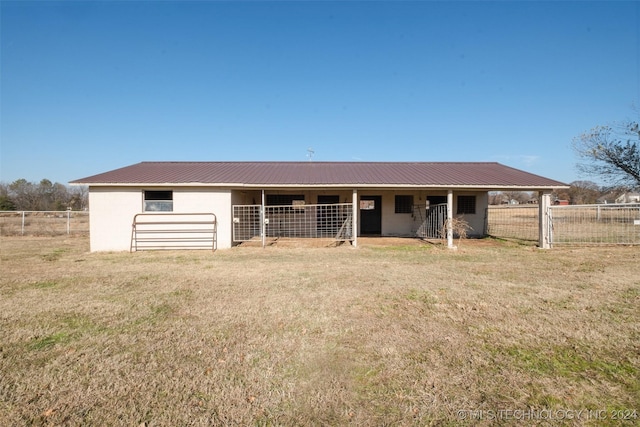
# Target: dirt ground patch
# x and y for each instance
(395, 332)
(364, 242)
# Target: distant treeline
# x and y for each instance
(579, 193)
(22, 195)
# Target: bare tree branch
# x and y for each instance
(612, 153)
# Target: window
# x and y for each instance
(284, 199)
(466, 205)
(436, 200)
(158, 201)
(404, 204)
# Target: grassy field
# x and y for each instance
(391, 333)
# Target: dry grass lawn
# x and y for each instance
(386, 334)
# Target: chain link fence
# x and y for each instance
(44, 223)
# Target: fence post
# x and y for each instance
(263, 226)
(544, 223)
(22, 228)
(354, 218)
(450, 219)
(68, 222)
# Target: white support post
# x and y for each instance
(450, 219)
(22, 228)
(263, 225)
(354, 219)
(544, 223)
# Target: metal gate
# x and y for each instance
(608, 224)
(246, 222)
(326, 221)
(430, 223)
(595, 224)
(151, 231)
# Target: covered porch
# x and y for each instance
(344, 215)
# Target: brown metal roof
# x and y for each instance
(320, 174)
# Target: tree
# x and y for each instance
(23, 195)
(510, 197)
(583, 192)
(6, 204)
(611, 153)
(79, 198)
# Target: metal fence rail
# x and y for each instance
(513, 222)
(595, 224)
(153, 231)
(43, 223)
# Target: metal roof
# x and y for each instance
(322, 174)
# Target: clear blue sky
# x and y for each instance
(90, 86)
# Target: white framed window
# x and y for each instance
(158, 201)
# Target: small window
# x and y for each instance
(404, 204)
(158, 201)
(284, 199)
(466, 205)
(436, 200)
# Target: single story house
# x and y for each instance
(628, 197)
(171, 204)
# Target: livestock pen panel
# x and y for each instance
(153, 231)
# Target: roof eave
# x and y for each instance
(477, 187)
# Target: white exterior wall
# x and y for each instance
(401, 224)
(199, 200)
(397, 224)
(110, 217)
(113, 209)
(476, 221)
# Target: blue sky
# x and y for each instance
(90, 86)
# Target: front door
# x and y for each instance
(370, 215)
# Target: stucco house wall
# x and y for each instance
(201, 200)
(113, 209)
(397, 224)
(476, 221)
(401, 224)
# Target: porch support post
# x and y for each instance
(354, 219)
(263, 226)
(450, 219)
(544, 221)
